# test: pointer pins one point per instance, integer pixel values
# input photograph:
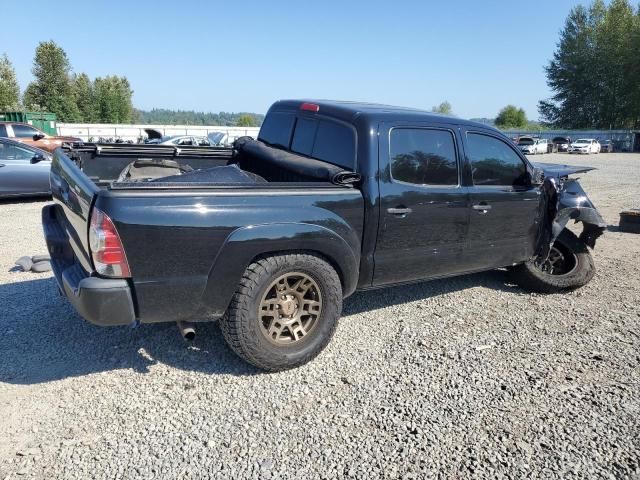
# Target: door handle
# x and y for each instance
(2, 165)
(482, 208)
(401, 211)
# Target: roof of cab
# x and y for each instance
(349, 111)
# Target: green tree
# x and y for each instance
(51, 90)
(511, 117)
(84, 97)
(593, 73)
(246, 120)
(9, 89)
(113, 99)
(444, 108)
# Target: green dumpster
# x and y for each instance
(44, 121)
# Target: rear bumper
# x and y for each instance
(101, 301)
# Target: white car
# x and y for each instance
(533, 146)
(585, 145)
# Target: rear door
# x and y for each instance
(423, 206)
(18, 176)
(504, 207)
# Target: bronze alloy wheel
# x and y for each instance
(561, 261)
(290, 308)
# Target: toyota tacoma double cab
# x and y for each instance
(270, 236)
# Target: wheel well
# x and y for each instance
(315, 253)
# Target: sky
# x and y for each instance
(242, 56)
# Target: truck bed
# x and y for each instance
(188, 244)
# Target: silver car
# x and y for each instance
(24, 170)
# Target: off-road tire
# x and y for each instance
(530, 277)
(241, 324)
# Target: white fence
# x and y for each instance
(94, 131)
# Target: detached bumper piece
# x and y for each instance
(101, 301)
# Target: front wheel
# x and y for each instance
(284, 312)
(569, 266)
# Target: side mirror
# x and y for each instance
(38, 136)
(537, 176)
(37, 158)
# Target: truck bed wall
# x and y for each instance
(103, 165)
(188, 251)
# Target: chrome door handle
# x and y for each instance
(399, 210)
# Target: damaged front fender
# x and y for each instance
(573, 204)
(564, 201)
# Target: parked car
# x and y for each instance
(532, 145)
(606, 146)
(561, 143)
(333, 197)
(29, 135)
(24, 170)
(585, 145)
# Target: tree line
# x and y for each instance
(72, 97)
(76, 98)
(161, 116)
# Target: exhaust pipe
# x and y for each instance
(187, 330)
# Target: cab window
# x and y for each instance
(493, 162)
(423, 156)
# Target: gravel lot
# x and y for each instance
(468, 377)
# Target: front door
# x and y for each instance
(18, 176)
(504, 206)
(423, 207)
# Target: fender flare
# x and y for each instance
(246, 243)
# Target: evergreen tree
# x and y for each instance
(593, 73)
(9, 89)
(113, 99)
(51, 90)
(84, 97)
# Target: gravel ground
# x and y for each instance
(467, 377)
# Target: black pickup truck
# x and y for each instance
(271, 235)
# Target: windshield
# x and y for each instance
(583, 140)
(560, 140)
(525, 141)
(216, 137)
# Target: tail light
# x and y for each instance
(106, 248)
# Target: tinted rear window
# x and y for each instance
(276, 129)
(304, 136)
(325, 140)
(423, 157)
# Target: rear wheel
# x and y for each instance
(569, 266)
(284, 312)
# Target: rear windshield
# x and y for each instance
(276, 129)
(318, 138)
(560, 140)
(525, 141)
